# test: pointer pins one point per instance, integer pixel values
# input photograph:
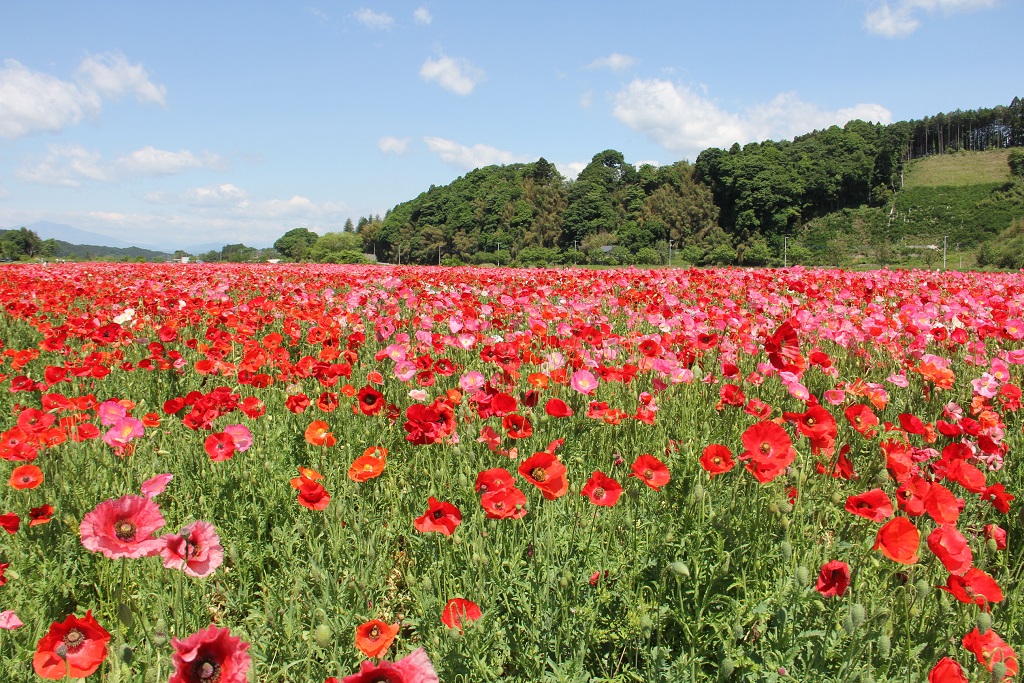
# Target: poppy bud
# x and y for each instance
(322, 635)
(838, 498)
(998, 671)
(680, 569)
(847, 624)
(726, 667)
(882, 478)
(737, 631)
(803, 577)
(984, 622)
(787, 550)
(992, 545)
(160, 633)
(427, 583)
(126, 654)
(785, 522)
(884, 645)
(857, 614)
(923, 589)
(698, 494)
(781, 617)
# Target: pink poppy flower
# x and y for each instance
(583, 381)
(241, 435)
(110, 412)
(415, 667)
(123, 527)
(157, 485)
(9, 620)
(212, 654)
(123, 431)
(196, 550)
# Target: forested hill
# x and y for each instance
(731, 206)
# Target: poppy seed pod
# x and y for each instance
(803, 577)
(322, 635)
(984, 622)
(884, 644)
(680, 569)
(858, 614)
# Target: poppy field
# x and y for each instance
(227, 473)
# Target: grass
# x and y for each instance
(964, 168)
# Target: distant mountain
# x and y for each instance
(66, 233)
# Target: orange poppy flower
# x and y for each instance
(538, 379)
(319, 434)
(547, 473)
(375, 637)
(26, 477)
(366, 467)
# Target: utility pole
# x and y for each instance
(439, 254)
(499, 254)
(944, 252)
(574, 252)
(785, 252)
(670, 242)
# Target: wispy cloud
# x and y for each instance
(684, 121)
(33, 102)
(615, 61)
(455, 75)
(470, 157)
(71, 165)
(904, 17)
(422, 16)
(380, 21)
(392, 145)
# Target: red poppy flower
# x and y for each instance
(833, 579)
(547, 473)
(769, 450)
(947, 670)
(650, 471)
(874, 505)
(458, 611)
(40, 515)
(439, 517)
(494, 479)
(602, 490)
(975, 587)
(26, 477)
(557, 408)
(370, 400)
(989, 648)
(312, 494)
(219, 446)
(941, 504)
(862, 418)
(297, 403)
(374, 637)
(717, 459)
(950, 546)
(911, 495)
(1000, 499)
(10, 522)
(517, 426)
(898, 540)
(212, 654)
(415, 667)
(74, 647)
(504, 503)
(319, 434)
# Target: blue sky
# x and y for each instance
(170, 124)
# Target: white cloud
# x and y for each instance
(393, 145)
(683, 121)
(478, 155)
(380, 21)
(422, 16)
(158, 162)
(319, 14)
(217, 195)
(70, 165)
(902, 19)
(34, 102)
(615, 61)
(456, 75)
(586, 99)
(571, 169)
(66, 166)
(112, 77)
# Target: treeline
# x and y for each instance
(742, 205)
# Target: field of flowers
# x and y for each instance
(293, 473)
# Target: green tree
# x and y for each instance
(296, 242)
(1016, 162)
